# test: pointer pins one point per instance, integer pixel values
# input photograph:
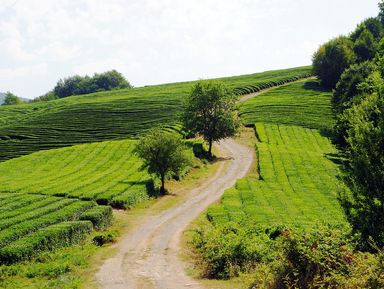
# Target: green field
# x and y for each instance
(106, 172)
(298, 182)
(32, 223)
(302, 103)
(108, 115)
(298, 165)
(78, 160)
(48, 199)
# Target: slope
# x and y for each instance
(297, 182)
(109, 115)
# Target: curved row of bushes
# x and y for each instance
(256, 88)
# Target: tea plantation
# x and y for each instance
(110, 115)
(298, 165)
(66, 163)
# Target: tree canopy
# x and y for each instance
(163, 154)
(331, 59)
(364, 174)
(77, 85)
(11, 99)
(210, 111)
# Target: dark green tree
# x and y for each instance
(210, 111)
(163, 154)
(331, 59)
(77, 85)
(365, 46)
(356, 81)
(11, 99)
(364, 174)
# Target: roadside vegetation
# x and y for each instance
(308, 216)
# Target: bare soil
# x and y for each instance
(148, 255)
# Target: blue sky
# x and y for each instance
(160, 41)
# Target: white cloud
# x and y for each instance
(154, 41)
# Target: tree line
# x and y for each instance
(353, 67)
(78, 85)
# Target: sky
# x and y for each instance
(162, 41)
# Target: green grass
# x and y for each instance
(298, 184)
(109, 115)
(302, 103)
(107, 172)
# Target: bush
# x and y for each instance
(105, 238)
(227, 251)
(100, 216)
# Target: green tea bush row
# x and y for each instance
(46, 200)
(298, 183)
(34, 214)
(68, 213)
(105, 172)
(18, 201)
(261, 86)
(49, 238)
(100, 216)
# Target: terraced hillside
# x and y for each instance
(297, 164)
(31, 223)
(106, 172)
(303, 103)
(109, 115)
(54, 198)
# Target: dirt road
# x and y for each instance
(147, 257)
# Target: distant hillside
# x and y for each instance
(109, 115)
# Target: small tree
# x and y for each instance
(210, 111)
(11, 99)
(163, 154)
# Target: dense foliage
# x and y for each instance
(364, 173)
(77, 85)
(332, 59)
(11, 99)
(359, 109)
(210, 112)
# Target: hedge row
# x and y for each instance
(68, 213)
(256, 88)
(100, 216)
(50, 238)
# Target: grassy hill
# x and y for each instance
(55, 196)
(110, 115)
(297, 164)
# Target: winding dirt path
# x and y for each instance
(147, 257)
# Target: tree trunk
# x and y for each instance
(162, 188)
(210, 149)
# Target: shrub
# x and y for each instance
(105, 238)
(229, 250)
(100, 216)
